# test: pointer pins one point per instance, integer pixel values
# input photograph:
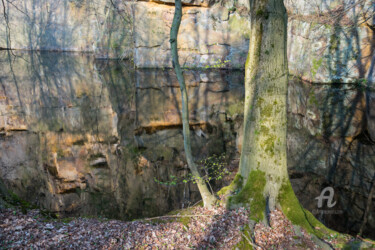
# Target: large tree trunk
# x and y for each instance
(208, 198)
(262, 182)
(263, 156)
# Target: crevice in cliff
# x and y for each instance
(364, 138)
(148, 47)
(185, 4)
(153, 128)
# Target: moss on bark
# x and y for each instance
(252, 195)
(263, 163)
(235, 184)
(297, 214)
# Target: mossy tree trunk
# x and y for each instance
(262, 182)
(207, 197)
(263, 165)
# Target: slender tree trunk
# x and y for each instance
(208, 198)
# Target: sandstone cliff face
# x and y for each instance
(91, 139)
(79, 137)
(329, 145)
(88, 138)
(328, 41)
(71, 25)
(208, 37)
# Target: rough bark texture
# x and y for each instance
(208, 198)
(263, 154)
(262, 181)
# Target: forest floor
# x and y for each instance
(195, 227)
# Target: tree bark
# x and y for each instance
(208, 198)
(262, 182)
(266, 78)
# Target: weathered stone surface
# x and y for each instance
(95, 139)
(204, 3)
(68, 26)
(303, 7)
(99, 162)
(371, 116)
(205, 37)
(328, 111)
(328, 145)
(321, 52)
(91, 137)
(328, 41)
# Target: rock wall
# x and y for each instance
(79, 137)
(332, 42)
(85, 138)
(71, 25)
(330, 145)
(328, 41)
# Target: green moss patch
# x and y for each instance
(235, 184)
(252, 194)
(269, 145)
(315, 66)
(292, 208)
(244, 243)
(13, 200)
(267, 111)
(184, 213)
(298, 215)
(235, 108)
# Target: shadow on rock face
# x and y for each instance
(100, 138)
(80, 137)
